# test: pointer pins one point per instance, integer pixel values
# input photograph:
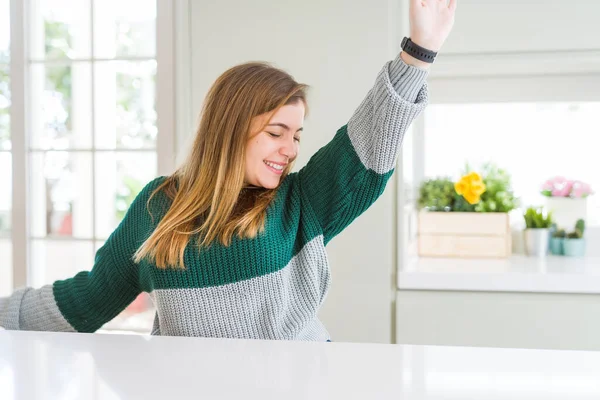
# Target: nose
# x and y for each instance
(289, 149)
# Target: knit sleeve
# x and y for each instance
(346, 176)
(88, 300)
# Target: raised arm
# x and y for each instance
(347, 175)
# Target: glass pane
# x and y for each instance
(52, 260)
(125, 100)
(6, 194)
(4, 30)
(5, 267)
(61, 194)
(536, 142)
(124, 28)
(119, 178)
(4, 107)
(60, 29)
(61, 106)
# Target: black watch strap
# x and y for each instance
(418, 52)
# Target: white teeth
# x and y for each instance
(277, 167)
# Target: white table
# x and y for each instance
(97, 366)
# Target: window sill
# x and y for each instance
(519, 273)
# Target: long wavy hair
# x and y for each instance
(207, 193)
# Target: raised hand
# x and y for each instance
(431, 22)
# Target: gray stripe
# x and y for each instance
(377, 127)
(9, 310)
(33, 310)
(281, 305)
(406, 80)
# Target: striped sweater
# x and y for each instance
(269, 287)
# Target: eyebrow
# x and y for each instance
(284, 126)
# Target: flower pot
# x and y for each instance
(556, 246)
(536, 242)
(574, 247)
(464, 235)
(566, 210)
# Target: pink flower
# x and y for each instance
(559, 186)
(548, 186)
(580, 189)
(561, 192)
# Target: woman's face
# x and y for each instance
(269, 151)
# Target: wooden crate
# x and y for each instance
(464, 234)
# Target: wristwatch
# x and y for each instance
(418, 52)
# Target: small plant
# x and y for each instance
(436, 194)
(560, 234)
(579, 230)
(536, 218)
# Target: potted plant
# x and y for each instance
(475, 222)
(567, 199)
(574, 243)
(537, 232)
(556, 242)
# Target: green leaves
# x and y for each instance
(437, 194)
(498, 196)
(536, 218)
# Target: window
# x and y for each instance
(5, 154)
(91, 133)
(533, 141)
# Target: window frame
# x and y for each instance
(19, 68)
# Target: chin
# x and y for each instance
(269, 184)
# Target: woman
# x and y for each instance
(233, 244)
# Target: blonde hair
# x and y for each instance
(207, 192)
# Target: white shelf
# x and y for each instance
(519, 273)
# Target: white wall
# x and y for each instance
(518, 26)
(520, 38)
(337, 47)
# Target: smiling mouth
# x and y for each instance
(275, 168)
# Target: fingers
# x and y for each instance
(452, 5)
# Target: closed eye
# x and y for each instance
(274, 134)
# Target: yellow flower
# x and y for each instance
(471, 187)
